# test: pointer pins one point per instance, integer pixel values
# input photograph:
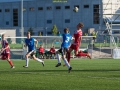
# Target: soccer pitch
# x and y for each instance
(96, 74)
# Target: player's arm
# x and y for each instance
(25, 45)
(72, 37)
(36, 42)
(80, 38)
(7, 46)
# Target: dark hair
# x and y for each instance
(28, 32)
(80, 24)
(66, 30)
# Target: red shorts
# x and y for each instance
(75, 47)
(5, 56)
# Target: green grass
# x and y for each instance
(96, 74)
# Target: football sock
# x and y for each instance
(66, 63)
(27, 61)
(11, 63)
(58, 57)
(39, 60)
(68, 59)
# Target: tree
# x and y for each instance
(31, 31)
(39, 33)
(54, 30)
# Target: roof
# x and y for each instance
(13, 0)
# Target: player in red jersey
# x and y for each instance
(52, 51)
(77, 41)
(41, 51)
(5, 51)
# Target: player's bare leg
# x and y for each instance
(39, 60)
(11, 63)
(89, 56)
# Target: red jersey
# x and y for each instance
(77, 36)
(52, 50)
(41, 49)
(4, 45)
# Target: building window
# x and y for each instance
(86, 6)
(67, 20)
(7, 22)
(15, 17)
(49, 33)
(76, 6)
(40, 8)
(58, 7)
(67, 7)
(96, 18)
(49, 8)
(31, 9)
(116, 32)
(0, 10)
(7, 10)
(49, 21)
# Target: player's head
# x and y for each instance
(28, 35)
(66, 30)
(3, 36)
(41, 45)
(80, 25)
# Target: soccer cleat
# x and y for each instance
(69, 69)
(12, 67)
(59, 64)
(25, 66)
(43, 64)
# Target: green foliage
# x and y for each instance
(54, 30)
(39, 33)
(96, 74)
(31, 31)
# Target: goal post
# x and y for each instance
(18, 51)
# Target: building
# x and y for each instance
(41, 15)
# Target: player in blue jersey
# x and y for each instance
(31, 43)
(64, 48)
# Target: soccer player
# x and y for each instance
(52, 51)
(5, 51)
(64, 49)
(77, 41)
(31, 43)
(41, 51)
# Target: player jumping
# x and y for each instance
(77, 41)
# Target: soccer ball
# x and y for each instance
(75, 9)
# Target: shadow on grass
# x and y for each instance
(54, 71)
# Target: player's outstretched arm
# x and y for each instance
(36, 42)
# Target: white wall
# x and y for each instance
(9, 33)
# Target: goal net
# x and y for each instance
(18, 50)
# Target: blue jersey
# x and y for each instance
(66, 40)
(30, 44)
